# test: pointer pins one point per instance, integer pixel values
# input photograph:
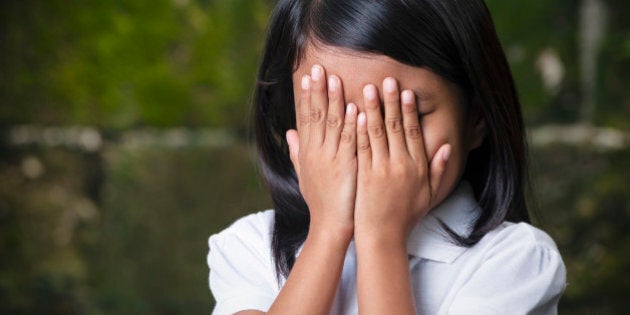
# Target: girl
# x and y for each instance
(391, 139)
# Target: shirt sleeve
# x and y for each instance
(520, 275)
(242, 276)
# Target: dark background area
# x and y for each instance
(124, 144)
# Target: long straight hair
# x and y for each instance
(455, 39)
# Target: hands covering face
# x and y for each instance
(362, 173)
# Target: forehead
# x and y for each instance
(357, 69)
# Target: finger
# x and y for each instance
(411, 124)
(375, 128)
(293, 140)
(304, 111)
(335, 115)
(437, 168)
(393, 118)
(364, 152)
(319, 106)
(348, 139)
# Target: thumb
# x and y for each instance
(293, 139)
(437, 168)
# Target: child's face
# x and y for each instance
(443, 118)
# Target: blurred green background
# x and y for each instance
(124, 144)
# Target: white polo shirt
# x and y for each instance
(515, 269)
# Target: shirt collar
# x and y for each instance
(458, 211)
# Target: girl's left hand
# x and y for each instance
(396, 182)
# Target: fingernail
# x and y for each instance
(369, 91)
(447, 153)
(407, 97)
(350, 109)
(316, 72)
(306, 82)
(361, 119)
(389, 85)
(332, 83)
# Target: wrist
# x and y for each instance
(332, 235)
(379, 240)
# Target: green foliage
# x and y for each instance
(120, 64)
(527, 28)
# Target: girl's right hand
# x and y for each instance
(323, 153)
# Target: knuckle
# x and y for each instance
(413, 132)
(333, 121)
(396, 164)
(364, 146)
(346, 137)
(376, 131)
(316, 115)
(304, 119)
(399, 170)
(403, 169)
(381, 173)
(394, 125)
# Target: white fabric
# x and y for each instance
(515, 269)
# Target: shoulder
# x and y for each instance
(517, 267)
(242, 274)
(256, 226)
(248, 235)
(523, 246)
(519, 235)
(525, 249)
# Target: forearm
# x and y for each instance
(383, 280)
(313, 282)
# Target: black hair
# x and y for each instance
(455, 39)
